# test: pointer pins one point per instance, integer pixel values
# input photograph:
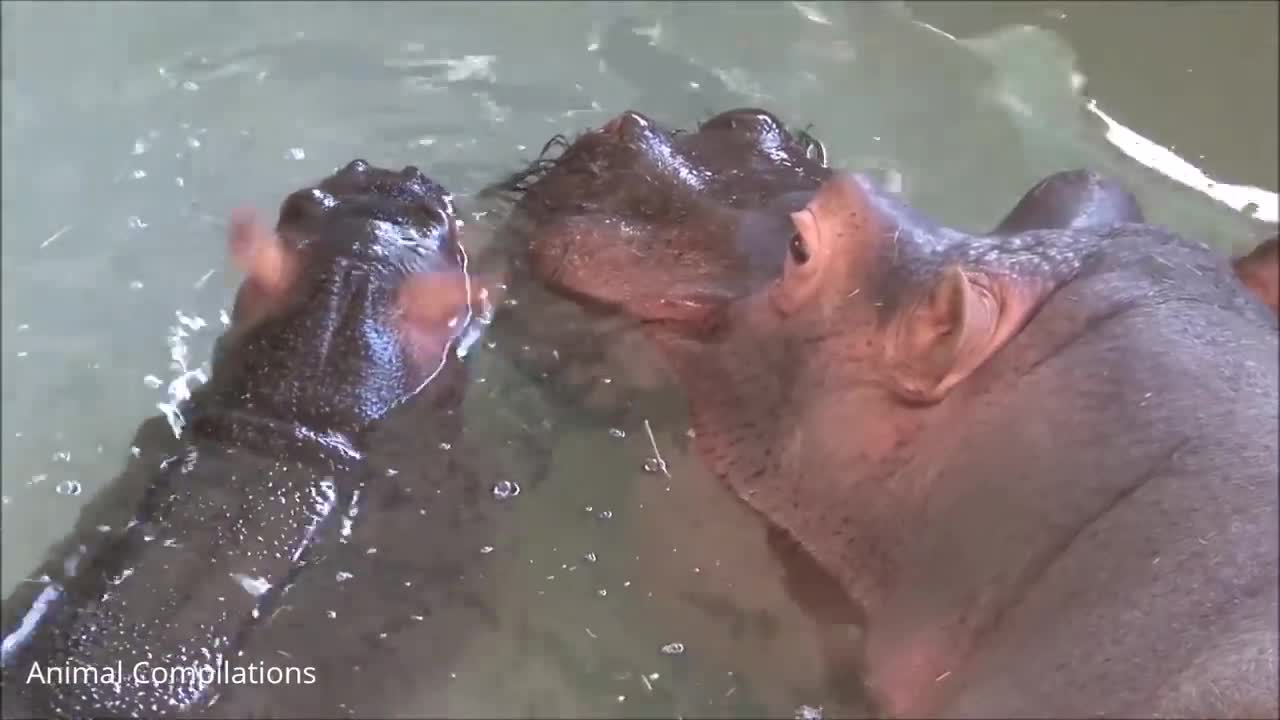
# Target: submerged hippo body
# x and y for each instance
(305, 461)
(1042, 461)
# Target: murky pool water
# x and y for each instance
(131, 129)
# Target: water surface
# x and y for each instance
(131, 129)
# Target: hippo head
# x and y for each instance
(637, 223)
(700, 211)
(350, 306)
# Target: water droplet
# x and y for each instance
(505, 489)
(136, 222)
(486, 549)
(140, 146)
(190, 86)
(297, 153)
(622, 698)
(344, 576)
(331, 614)
(673, 649)
(152, 381)
(602, 592)
(652, 465)
(193, 143)
(606, 514)
(589, 557)
(179, 181)
(139, 174)
(445, 446)
(135, 285)
(617, 432)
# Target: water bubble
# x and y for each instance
(37, 479)
(617, 432)
(505, 489)
(331, 614)
(606, 514)
(140, 146)
(445, 446)
(136, 223)
(808, 712)
(652, 465)
(602, 592)
(190, 86)
(135, 285)
(139, 174)
(193, 143)
(486, 549)
(297, 153)
(152, 381)
(343, 576)
(589, 557)
(673, 649)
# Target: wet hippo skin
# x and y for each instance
(1042, 461)
(310, 453)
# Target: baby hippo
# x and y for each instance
(345, 328)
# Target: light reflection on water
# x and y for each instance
(131, 129)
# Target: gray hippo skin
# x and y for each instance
(1043, 464)
(309, 458)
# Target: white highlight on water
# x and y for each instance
(1166, 162)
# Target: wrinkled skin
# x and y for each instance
(1026, 456)
(701, 207)
(311, 452)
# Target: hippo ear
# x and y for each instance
(1260, 272)
(433, 307)
(962, 321)
(260, 254)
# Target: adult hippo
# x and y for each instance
(307, 546)
(1042, 460)
(706, 210)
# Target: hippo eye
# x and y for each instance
(799, 251)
